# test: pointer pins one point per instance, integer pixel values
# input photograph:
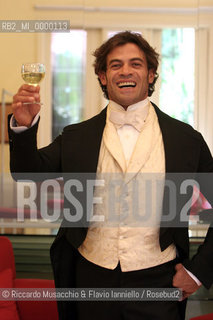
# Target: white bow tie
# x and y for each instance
(133, 118)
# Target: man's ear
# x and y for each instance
(102, 77)
(151, 75)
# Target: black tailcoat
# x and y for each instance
(77, 150)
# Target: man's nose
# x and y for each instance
(125, 69)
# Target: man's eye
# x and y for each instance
(116, 65)
(136, 64)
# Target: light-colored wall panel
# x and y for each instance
(15, 50)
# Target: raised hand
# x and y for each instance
(25, 113)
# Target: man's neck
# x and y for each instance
(134, 106)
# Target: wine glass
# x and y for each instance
(33, 73)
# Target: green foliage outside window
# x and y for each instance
(67, 84)
(177, 73)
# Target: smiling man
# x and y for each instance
(130, 136)
(127, 76)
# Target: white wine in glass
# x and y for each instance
(32, 73)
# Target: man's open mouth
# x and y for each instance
(126, 84)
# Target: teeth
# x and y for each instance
(126, 84)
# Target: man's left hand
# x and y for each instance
(183, 281)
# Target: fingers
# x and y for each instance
(178, 266)
(184, 295)
(180, 276)
(27, 87)
(184, 281)
(26, 93)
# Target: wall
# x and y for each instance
(19, 48)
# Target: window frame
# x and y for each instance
(97, 28)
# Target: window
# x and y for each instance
(68, 65)
(177, 73)
(177, 63)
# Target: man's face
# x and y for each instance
(127, 77)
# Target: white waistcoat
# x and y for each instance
(130, 230)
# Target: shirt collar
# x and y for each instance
(140, 109)
(136, 106)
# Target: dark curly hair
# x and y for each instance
(120, 39)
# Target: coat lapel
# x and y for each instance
(80, 151)
(113, 144)
(170, 140)
(144, 145)
(180, 146)
(181, 152)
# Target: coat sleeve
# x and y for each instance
(26, 157)
(201, 265)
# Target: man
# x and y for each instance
(121, 256)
